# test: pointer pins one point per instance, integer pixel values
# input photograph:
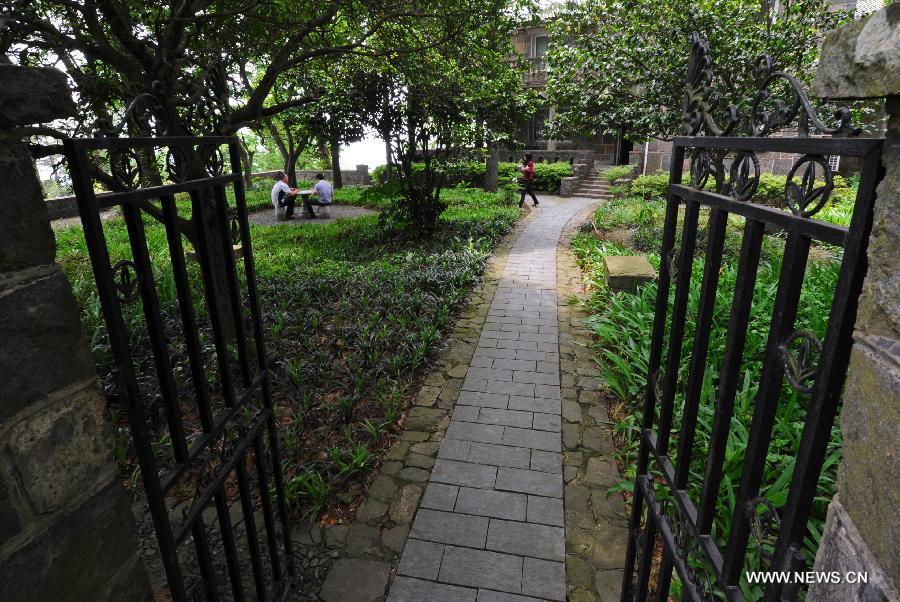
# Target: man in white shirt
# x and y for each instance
(283, 197)
(324, 192)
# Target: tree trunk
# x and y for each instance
(492, 165)
(246, 162)
(335, 143)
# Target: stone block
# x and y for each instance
(421, 559)
(31, 95)
(439, 496)
(545, 461)
(479, 568)
(842, 549)
(861, 59)
(45, 349)
(495, 504)
(870, 469)
(76, 557)
(526, 539)
(531, 438)
(453, 472)
(447, 527)
(25, 235)
(545, 510)
(61, 452)
(355, 580)
(544, 579)
(529, 481)
(406, 589)
(499, 455)
(627, 272)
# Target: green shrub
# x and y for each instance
(651, 187)
(617, 171)
(547, 176)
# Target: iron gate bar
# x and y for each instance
(794, 145)
(170, 477)
(659, 323)
(204, 251)
(234, 452)
(718, 222)
(823, 404)
(810, 227)
(262, 360)
(729, 377)
(111, 199)
(82, 184)
(787, 300)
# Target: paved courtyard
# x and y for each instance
(490, 526)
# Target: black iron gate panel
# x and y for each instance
(670, 529)
(201, 419)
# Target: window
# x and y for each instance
(541, 43)
(834, 161)
(539, 122)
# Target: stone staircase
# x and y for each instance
(595, 186)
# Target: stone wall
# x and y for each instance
(66, 532)
(355, 177)
(862, 533)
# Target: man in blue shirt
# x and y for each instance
(324, 193)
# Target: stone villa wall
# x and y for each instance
(862, 532)
(66, 532)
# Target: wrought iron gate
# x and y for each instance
(218, 450)
(662, 509)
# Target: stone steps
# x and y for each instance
(594, 187)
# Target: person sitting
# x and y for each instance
(324, 192)
(283, 197)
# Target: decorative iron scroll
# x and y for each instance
(800, 353)
(700, 98)
(767, 114)
(765, 526)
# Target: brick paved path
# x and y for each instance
(490, 525)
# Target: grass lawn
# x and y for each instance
(352, 312)
(622, 325)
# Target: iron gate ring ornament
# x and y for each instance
(744, 185)
(800, 197)
(126, 281)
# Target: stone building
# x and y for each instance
(533, 43)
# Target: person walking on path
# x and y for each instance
(527, 170)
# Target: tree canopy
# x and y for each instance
(615, 64)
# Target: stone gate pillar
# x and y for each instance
(66, 531)
(862, 534)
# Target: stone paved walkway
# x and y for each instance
(490, 524)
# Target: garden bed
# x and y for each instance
(352, 311)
